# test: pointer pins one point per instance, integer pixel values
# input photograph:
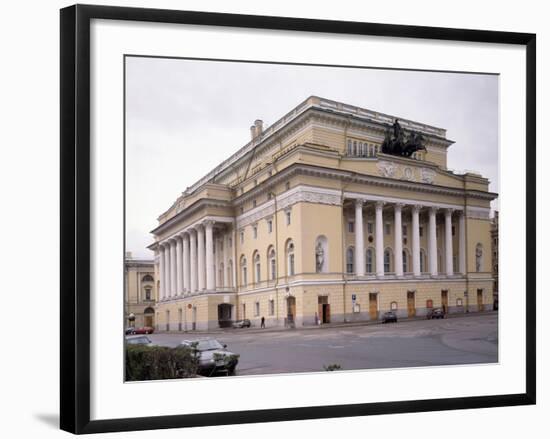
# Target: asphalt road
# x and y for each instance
(458, 340)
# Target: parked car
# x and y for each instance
(389, 316)
(245, 323)
(144, 330)
(214, 357)
(139, 339)
(435, 313)
(130, 330)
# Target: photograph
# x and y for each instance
(285, 218)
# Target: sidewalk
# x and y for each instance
(257, 330)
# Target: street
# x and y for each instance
(458, 340)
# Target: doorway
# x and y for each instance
(445, 300)
(324, 309)
(411, 308)
(373, 306)
(480, 300)
(224, 315)
(290, 310)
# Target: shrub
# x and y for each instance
(145, 363)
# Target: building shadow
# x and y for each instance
(50, 419)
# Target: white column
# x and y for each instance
(201, 268)
(432, 242)
(449, 241)
(210, 272)
(234, 264)
(359, 240)
(379, 239)
(179, 267)
(161, 272)
(167, 270)
(398, 234)
(193, 260)
(462, 243)
(185, 263)
(416, 240)
(173, 268)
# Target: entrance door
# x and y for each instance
(480, 300)
(148, 321)
(224, 315)
(411, 310)
(324, 309)
(373, 306)
(290, 310)
(444, 301)
(326, 313)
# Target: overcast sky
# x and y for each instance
(185, 116)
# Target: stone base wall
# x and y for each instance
(406, 298)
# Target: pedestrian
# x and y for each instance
(263, 322)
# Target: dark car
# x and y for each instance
(139, 339)
(130, 330)
(435, 313)
(245, 323)
(144, 330)
(214, 357)
(389, 316)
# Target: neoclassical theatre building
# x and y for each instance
(334, 213)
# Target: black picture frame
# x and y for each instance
(75, 217)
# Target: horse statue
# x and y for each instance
(397, 143)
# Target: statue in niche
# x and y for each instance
(479, 254)
(319, 257)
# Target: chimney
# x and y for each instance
(259, 126)
(253, 132)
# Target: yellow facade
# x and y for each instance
(140, 292)
(274, 230)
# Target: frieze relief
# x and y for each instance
(408, 173)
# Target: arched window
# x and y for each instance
(405, 261)
(257, 267)
(422, 261)
(393, 306)
(369, 260)
(479, 257)
(230, 273)
(147, 278)
(272, 263)
(290, 269)
(349, 260)
(244, 280)
(321, 254)
(387, 260)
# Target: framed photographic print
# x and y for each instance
(272, 218)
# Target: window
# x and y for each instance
(270, 226)
(287, 185)
(271, 307)
(254, 203)
(221, 245)
(387, 261)
(405, 262)
(147, 293)
(242, 236)
(355, 147)
(453, 230)
(349, 260)
(242, 209)
(350, 148)
(393, 306)
(255, 231)
(255, 182)
(287, 213)
(257, 267)
(256, 309)
(421, 231)
(244, 280)
(370, 228)
(272, 262)
(404, 230)
(459, 302)
(230, 273)
(351, 227)
(369, 259)
(269, 195)
(422, 261)
(230, 242)
(387, 228)
(147, 278)
(290, 259)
